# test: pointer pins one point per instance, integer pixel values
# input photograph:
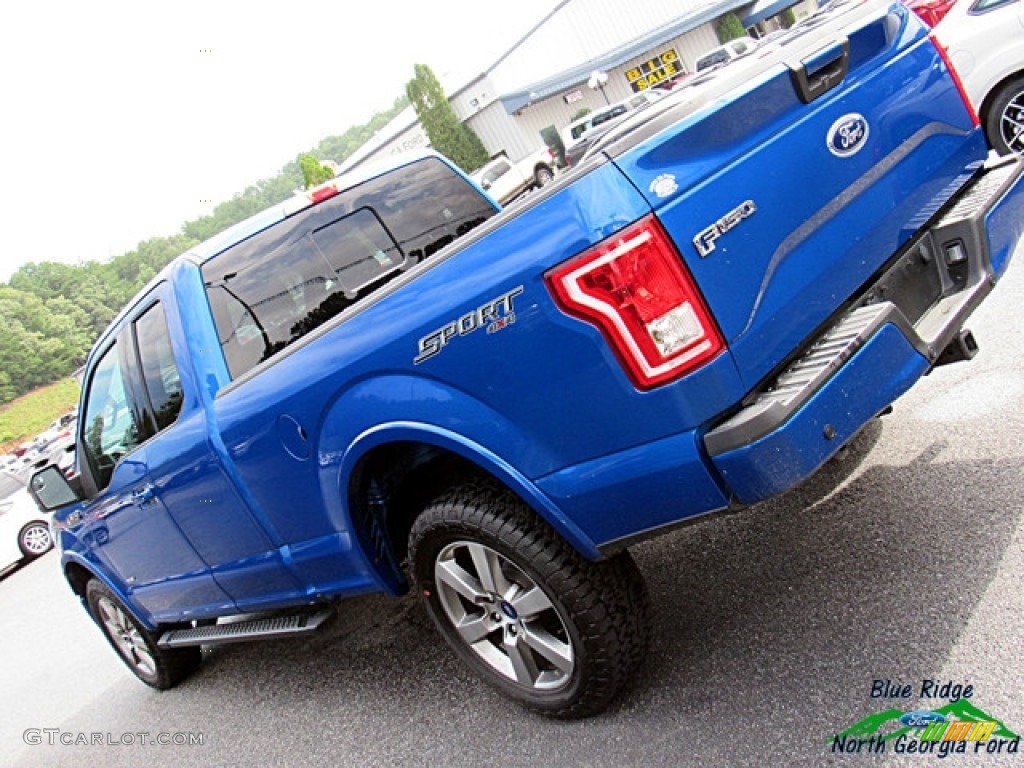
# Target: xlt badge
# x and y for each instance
(705, 240)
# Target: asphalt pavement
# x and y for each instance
(902, 562)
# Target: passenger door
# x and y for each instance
(165, 519)
(189, 480)
(125, 526)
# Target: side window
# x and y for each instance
(577, 130)
(496, 171)
(109, 424)
(159, 369)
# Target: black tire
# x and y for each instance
(544, 176)
(135, 645)
(482, 559)
(35, 540)
(1004, 118)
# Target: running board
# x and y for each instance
(242, 631)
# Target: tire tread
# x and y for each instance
(607, 599)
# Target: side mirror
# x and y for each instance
(51, 490)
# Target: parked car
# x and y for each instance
(604, 120)
(576, 152)
(505, 180)
(24, 530)
(985, 42)
(575, 130)
(724, 53)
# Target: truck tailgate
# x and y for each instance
(784, 196)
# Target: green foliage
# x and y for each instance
(447, 134)
(787, 18)
(553, 141)
(583, 112)
(313, 173)
(43, 340)
(29, 415)
(52, 312)
(729, 27)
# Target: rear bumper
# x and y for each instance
(896, 331)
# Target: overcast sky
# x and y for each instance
(122, 119)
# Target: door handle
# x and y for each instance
(143, 494)
(821, 71)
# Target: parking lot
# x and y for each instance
(770, 627)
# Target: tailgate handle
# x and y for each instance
(821, 71)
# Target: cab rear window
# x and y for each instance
(269, 291)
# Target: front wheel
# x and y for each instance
(157, 667)
(1004, 119)
(525, 611)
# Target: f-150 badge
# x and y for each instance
(705, 240)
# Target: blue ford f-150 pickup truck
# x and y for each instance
(388, 384)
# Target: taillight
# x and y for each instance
(634, 287)
(931, 11)
(320, 194)
(944, 55)
(303, 200)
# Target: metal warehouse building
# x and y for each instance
(542, 82)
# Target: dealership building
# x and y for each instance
(582, 55)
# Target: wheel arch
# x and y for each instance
(990, 95)
(78, 575)
(542, 166)
(392, 472)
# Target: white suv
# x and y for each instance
(985, 40)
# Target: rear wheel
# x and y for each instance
(158, 667)
(525, 611)
(1004, 119)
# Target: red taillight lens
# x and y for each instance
(931, 11)
(944, 55)
(635, 288)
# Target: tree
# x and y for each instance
(50, 312)
(787, 18)
(730, 27)
(313, 173)
(446, 133)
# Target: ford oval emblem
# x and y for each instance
(848, 135)
(921, 718)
